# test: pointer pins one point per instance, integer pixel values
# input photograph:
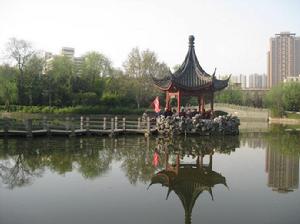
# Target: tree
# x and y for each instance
(230, 95)
(291, 96)
(8, 92)
(275, 102)
(8, 88)
(96, 65)
(141, 66)
(60, 79)
(33, 79)
(20, 51)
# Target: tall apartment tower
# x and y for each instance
(283, 57)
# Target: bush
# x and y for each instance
(284, 97)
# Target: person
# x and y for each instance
(189, 113)
(182, 113)
(194, 113)
(174, 112)
(168, 112)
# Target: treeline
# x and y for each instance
(31, 81)
(284, 97)
(234, 95)
(279, 99)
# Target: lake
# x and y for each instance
(251, 178)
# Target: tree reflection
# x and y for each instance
(24, 160)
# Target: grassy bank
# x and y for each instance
(74, 110)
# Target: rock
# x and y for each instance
(221, 125)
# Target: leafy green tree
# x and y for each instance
(275, 101)
(230, 95)
(33, 79)
(60, 79)
(141, 66)
(96, 65)
(8, 90)
(20, 51)
(291, 96)
(8, 87)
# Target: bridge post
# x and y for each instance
(6, 127)
(116, 123)
(28, 124)
(148, 131)
(124, 124)
(72, 134)
(139, 124)
(111, 127)
(104, 123)
(87, 120)
(81, 122)
(46, 125)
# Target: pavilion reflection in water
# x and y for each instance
(187, 180)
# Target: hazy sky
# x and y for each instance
(231, 35)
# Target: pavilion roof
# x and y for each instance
(190, 76)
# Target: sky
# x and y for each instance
(231, 35)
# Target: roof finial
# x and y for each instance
(191, 40)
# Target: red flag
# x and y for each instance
(155, 105)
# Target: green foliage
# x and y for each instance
(142, 65)
(95, 65)
(230, 95)
(284, 97)
(79, 109)
(61, 85)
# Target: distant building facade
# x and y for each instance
(68, 52)
(283, 58)
(292, 79)
(252, 81)
(258, 81)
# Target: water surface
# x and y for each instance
(252, 178)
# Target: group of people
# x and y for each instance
(186, 113)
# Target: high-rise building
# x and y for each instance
(283, 57)
(68, 52)
(257, 81)
(243, 80)
(78, 61)
(239, 80)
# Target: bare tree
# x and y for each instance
(20, 51)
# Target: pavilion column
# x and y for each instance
(201, 103)
(212, 102)
(167, 100)
(177, 163)
(178, 102)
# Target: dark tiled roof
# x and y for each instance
(190, 75)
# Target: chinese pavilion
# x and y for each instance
(188, 181)
(190, 80)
